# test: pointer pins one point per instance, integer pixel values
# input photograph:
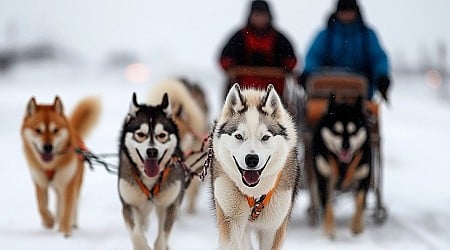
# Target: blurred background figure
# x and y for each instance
(259, 44)
(348, 44)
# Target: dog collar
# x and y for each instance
(156, 189)
(257, 205)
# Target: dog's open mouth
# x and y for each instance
(46, 157)
(151, 167)
(250, 177)
(345, 156)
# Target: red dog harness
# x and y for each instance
(156, 189)
(257, 205)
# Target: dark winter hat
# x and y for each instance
(347, 5)
(260, 5)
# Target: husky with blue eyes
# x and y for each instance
(148, 180)
(342, 160)
(255, 170)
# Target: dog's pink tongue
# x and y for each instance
(345, 156)
(151, 167)
(251, 177)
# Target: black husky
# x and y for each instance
(342, 159)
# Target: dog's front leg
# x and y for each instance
(232, 233)
(166, 219)
(136, 221)
(68, 202)
(42, 199)
(330, 226)
(272, 239)
(357, 225)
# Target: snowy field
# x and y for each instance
(416, 141)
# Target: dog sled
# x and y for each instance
(346, 88)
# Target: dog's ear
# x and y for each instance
(58, 106)
(271, 104)
(234, 103)
(134, 107)
(165, 105)
(331, 103)
(31, 106)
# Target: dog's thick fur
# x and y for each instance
(190, 114)
(254, 144)
(148, 142)
(342, 160)
(49, 139)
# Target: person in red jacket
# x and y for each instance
(259, 44)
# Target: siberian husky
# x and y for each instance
(149, 143)
(342, 160)
(255, 173)
(50, 142)
(190, 114)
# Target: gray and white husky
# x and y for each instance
(148, 143)
(255, 173)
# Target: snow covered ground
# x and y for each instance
(416, 141)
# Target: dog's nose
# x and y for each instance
(346, 144)
(251, 160)
(152, 152)
(48, 148)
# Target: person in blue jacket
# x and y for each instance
(347, 43)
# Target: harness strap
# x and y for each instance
(81, 148)
(50, 173)
(334, 166)
(156, 189)
(257, 205)
(182, 123)
(350, 170)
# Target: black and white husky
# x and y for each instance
(342, 160)
(147, 179)
(254, 173)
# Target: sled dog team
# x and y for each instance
(254, 170)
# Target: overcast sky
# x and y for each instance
(193, 31)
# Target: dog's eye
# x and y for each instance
(140, 136)
(55, 131)
(265, 138)
(162, 137)
(239, 137)
(38, 130)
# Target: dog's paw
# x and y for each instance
(48, 220)
(357, 227)
(66, 231)
(330, 231)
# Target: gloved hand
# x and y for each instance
(301, 80)
(383, 83)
